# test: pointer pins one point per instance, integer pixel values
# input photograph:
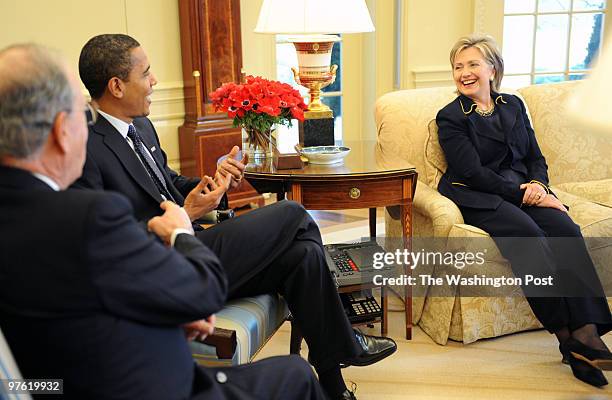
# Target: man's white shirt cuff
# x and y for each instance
(177, 232)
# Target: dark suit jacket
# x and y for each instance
(86, 295)
(112, 165)
(474, 155)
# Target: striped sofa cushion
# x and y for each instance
(8, 370)
(255, 319)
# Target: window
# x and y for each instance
(550, 40)
(286, 58)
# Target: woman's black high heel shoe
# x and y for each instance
(601, 359)
(583, 370)
(586, 373)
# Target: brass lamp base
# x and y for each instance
(315, 73)
(318, 114)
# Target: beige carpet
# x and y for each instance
(519, 367)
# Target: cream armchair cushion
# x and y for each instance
(572, 154)
(402, 123)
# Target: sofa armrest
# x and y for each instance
(442, 212)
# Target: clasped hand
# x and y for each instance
(535, 195)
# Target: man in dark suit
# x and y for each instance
(87, 295)
(273, 249)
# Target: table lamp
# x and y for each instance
(311, 24)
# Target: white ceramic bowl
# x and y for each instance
(325, 154)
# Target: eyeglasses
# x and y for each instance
(91, 114)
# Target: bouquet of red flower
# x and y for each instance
(258, 104)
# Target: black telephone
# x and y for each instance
(360, 306)
(352, 264)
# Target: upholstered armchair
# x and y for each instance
(8, 370)
(580, 171)
(243, 326)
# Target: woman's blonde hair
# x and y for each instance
(488, 47)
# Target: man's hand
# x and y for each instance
(173, 217)
(223, 181)
(534, 193)
(551, 201)
(200, 329)
(232, 167)
(205, 197)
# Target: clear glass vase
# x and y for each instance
(258, 145)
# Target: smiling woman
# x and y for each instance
(472, 73)
(477, 69)
(498, 178)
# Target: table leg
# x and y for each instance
(373, 222)
(295, 193)
(408, 308)
(406, 212)
(384, 323)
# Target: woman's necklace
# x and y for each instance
(486, 113)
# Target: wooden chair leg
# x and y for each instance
(296, 339)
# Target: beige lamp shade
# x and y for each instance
(314, 16)
(590, 104)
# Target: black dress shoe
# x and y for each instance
(587, 373)
(375, 348)
(347, 395)
(601, 359)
